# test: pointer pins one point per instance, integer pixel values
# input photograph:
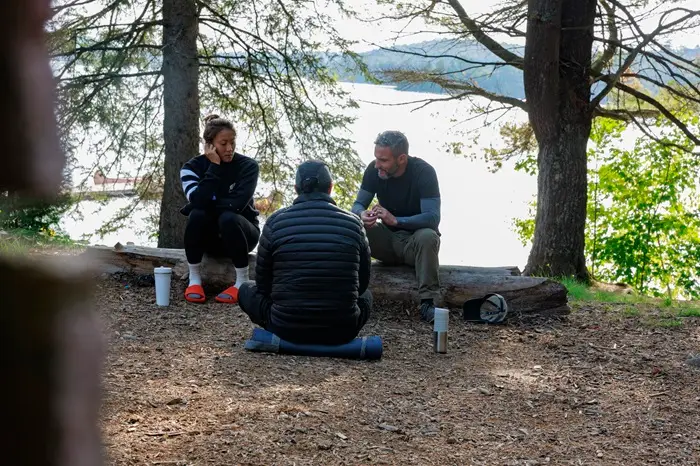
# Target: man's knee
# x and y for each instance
(253, 304)
(380, 244)
(364, 302)
(246, 292)
(373, 234)
(366, 299)
(426, 237)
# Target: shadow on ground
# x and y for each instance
(598, 388)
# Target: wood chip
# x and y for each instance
(389, 428)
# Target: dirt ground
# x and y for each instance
(601, 387)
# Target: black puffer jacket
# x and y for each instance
(314, 262)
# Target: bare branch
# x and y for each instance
(475, 30)
(610, 48)
(626, 115)
(464, 89)
(661, 108)
(663, 61)
(651, 136)
(612, 80)
(662, 85)
(443, 55)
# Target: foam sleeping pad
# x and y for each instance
(369, 348)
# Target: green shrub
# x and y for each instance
(33, 218)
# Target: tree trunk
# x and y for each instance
(181, 111)
(51, 353)
(557, 87)
(525, 295)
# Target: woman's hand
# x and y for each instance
(210, 153)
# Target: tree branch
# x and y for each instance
(475, 30)
(658, 58)
(221, 66)
(660, 107)
(59, 8)
(99, 48)
(612, 80)
(662, 85)
(609, 48)
(648, 134)
(99, 77)
(624, 114)
(450, 85)
(454, 57)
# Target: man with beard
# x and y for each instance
(408, 206)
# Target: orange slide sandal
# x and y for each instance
(228, 296)
(195, 294)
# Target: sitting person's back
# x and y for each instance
(313, 268)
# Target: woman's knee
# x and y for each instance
(229, 220)
(196, 223)
(197, 217)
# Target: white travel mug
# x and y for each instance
(440, 325)
(163, 277)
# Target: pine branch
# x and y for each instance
(221, 66)
(288, 62)
(71, 4)
(138, 28)
(105, 48)
(82, 80)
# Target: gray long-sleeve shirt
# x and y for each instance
(413, 198)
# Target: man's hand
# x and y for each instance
(386, 216)
(210, 153)
(369, 218)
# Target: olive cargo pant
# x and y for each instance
(418, 249)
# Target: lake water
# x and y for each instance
(477, 206)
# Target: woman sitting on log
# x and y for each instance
(222, 219)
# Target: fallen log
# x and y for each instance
(525, 295)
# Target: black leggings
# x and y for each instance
(224, 234)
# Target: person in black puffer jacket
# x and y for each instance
(313, 268)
